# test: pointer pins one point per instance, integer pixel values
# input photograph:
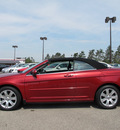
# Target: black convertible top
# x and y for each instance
(93, 63)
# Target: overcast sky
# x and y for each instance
(70, 26)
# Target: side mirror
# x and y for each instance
(34, 72)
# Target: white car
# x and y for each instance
(115, 65)
(20, 66)
(15, 68)
(106, 64)
(7, 69)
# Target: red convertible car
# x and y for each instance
(61, 80)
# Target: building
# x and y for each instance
(11, 61)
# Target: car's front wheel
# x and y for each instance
(108, 96)
(10, 98)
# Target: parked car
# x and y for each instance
(8, 69)
(27, 66)
(3, 66)
(115, 65)
(106, 64)
(81, 80)
(15, 69)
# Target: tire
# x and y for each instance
(10, 98)
(107, 97)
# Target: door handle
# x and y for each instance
(70, 75)
(65, 75)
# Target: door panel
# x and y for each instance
(50, 86)
(86, 82)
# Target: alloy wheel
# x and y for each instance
(8, 99)
(108, 97)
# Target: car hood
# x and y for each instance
(8, 75)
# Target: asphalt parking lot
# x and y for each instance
(60, 116)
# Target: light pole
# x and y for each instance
(113, 19)
(15, 46)
(43, 38)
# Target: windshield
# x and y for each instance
(18, 65)
(25, 65)
(29, 68)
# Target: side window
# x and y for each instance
(56, 67)
(80, 65)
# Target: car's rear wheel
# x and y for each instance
(10, 98)
(108, 97)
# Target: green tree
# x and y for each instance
(91, 54)
(99, 56)
(82, 54)
(52, 56)
(117, 55)
(57, 55)
(47, 57)
(29, 60)
(75, 55)
(63, 55)
(107, 55)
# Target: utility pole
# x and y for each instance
(43, 38)
(15, 46)
(112, 20)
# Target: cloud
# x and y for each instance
(65, 21)
(43, 17)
